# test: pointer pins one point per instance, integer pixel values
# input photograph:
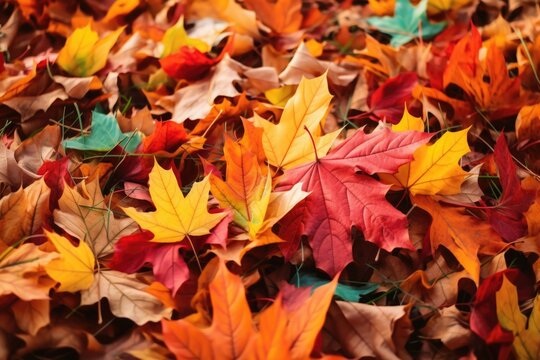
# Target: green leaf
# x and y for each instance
(345, 292)
(404, 25)
(105, 134)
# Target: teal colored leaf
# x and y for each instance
(104, 135)
(404, 25)
(345, 292)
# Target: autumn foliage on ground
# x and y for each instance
(256, 179)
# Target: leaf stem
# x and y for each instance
(313, 143)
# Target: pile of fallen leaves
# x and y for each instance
(269, 179)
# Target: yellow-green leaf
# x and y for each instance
(85, 53)
(74, 270)
(176, 36)
(176, 216)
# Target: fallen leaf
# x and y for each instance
(368, 330)
(85, 53)
(23, 213)
(83, 213)
(449, 325)
(31, 315)
(299, 126)
(435, 168)
(287, 328)
(404, 26)
(282, 16)
(127, 297)
(526, 333)
(22, 272)
(176, 216)
(340, 198)
(104, 135)
(506, 217)
(464, 235)
(132, 252)
(74, 270)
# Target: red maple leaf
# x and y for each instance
(340, 198)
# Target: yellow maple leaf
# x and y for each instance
(85, 53)
(435, 168)
(289, 143)
(408, 122)
(74, 270)
(176, 216)
(526, 338)
(279, 96)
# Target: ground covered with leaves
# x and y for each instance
(256, 179)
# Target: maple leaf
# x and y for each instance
(507, 216)
(404, 25)
(176, 37)
(282, 16)
(32, 315)
(85, 53)
(127, 297)
(306, 109)
(170, 139)
(526, 337)
(288, 328)
(408, 122)
(527, 125)
(341, 198)
(104, 135)
(246, 191)
(188, 63)
(55, 174)
(134, 251)
(465, 236)
(369, 330)
(487, 84)
(22, 272)
(388, 100)
(85, 215)
(74, 270)
(176, 216)
(450, 326)
(435, 168)
(23, 213)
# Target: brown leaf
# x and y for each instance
(85, 215)
(450, 326)
(10, 173)
(369, 331)
(32, 315)
(32, 152)
(22, 273)
(23, 213)
(58, 336)
(127, 297)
